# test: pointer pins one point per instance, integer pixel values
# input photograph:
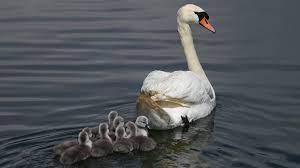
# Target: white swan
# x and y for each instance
(168, 98)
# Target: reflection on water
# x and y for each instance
(177, 147)
(65, 63)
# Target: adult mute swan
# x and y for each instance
(173, 99)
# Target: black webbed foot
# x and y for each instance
(186, 123)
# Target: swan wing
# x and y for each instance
(179, 87)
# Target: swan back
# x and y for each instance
(184, 86)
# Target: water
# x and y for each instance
(65, 64)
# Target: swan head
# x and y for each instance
(193, 14)
(130, 128)
(83, 139)
(88, 131)
(142, 121)
(120, 132)
(111, 116)
(103, 129)
(118, 121)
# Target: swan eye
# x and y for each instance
(201, 15)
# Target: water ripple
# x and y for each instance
(65, 64)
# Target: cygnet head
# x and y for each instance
(88, 131)
(83, 139)
(118, 121)
(111, 116)
(103, 130)
(120, 132)
(142, 121)
(192, 14)
(130, 129)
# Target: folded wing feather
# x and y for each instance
(180, 87)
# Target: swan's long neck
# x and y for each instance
(194, 65)
(189, 49)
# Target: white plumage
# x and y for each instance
(183, 85)
(167, 97)
(196, 95)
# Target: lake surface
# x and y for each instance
(64, 64)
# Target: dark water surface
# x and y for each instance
(65, 63)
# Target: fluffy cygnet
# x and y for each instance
(78, 152)
(60, 148)
(122, 144)
(111, 117)
(140, 142)
(102, 146)
(117, 121)
(95, 130)
(142, 125)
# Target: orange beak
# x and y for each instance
(204, 22)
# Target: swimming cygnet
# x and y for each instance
(142, 143)
(60, 148)
(122, 144)
(117, 121)
(111, 117)
(102, 146)
(142, 125)
(78, 152)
